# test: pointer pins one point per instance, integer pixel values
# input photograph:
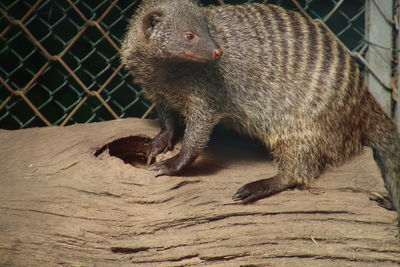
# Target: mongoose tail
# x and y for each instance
(384, 139)
(276, 75)
(387, 155)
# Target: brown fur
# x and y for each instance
(282, 78)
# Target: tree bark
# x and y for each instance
(66, 199)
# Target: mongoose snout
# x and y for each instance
(274, 74)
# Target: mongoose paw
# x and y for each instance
(383, 201)
(160, 144)
(167, 167)
(256, 190)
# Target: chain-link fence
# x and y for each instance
(60, 63)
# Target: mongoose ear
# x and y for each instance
(150, 20)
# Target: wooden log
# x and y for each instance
(65, 201)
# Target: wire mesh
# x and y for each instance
(60, 59)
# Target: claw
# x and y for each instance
(245, 196)
(153, 167)
(168, 147)
(149, 160)
(256, 190)
(160, 144)
(159, 169)
(241, 194)
(160, 173)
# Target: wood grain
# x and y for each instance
(63, 206)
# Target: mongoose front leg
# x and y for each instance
(165, 139)
(197, 132)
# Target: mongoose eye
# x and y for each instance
(189, 36)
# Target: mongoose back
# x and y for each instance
(274, 74)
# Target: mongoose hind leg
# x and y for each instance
(296, 168)
(260, 189)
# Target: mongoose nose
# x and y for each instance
(218, 53)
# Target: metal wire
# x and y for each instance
(60, 59)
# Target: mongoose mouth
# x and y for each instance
(199, 58)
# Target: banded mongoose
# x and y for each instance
(275, 74)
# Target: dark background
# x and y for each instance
(63, 30)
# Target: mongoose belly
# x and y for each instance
(277, 75)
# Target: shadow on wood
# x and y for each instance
(65, 200)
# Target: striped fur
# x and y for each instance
(283, 79)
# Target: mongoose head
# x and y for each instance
(178, 30)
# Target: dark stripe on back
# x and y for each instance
(277, 15)
(300, 48)
(311, 49)
(352, 85)
(327, 53)
(245, 12)
(271, 39)
(338, 85)
(324, 51)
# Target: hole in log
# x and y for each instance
(132, 150)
